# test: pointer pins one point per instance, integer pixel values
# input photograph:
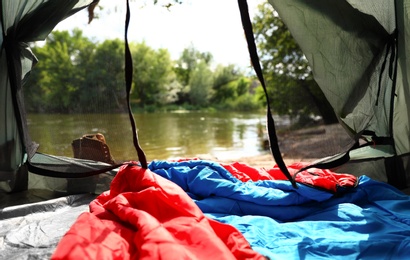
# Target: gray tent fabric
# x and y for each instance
(345, 49)
(32, 229)
(22, 22)
(358, 54)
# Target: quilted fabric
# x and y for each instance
(144, 216)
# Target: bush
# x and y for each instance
(245, 102)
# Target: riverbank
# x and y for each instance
(303, 145)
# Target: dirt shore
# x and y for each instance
(304, 145)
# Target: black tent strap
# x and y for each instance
(378, 140)
(333, 161)
(50, 171)
(391, 46)
(273, 140)
(344, 157)
(128, 82)
(71, 168)
(328, 163)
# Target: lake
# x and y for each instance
(166, 135)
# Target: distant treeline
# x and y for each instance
(76, 75)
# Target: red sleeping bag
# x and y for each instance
(144, 216)
(319, 178)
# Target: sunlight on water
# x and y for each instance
(161, 135)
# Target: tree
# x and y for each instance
(153, 75)
(200, 83)
(289, 79)
(225, 86)
(104, 83)
(188, 61)
(56, 80)
(185, 67)
(76, 75)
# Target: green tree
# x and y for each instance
(185, 67)
(153, 75)
(243, 86)
(103, 87)
(56, 79)
(200, 83)
(225, 83)
(169, 87)
(290, 83)
(77, 75)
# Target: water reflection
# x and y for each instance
(162, 135)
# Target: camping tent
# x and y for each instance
(357, 50)
(366, 88)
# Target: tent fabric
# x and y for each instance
(345, 44)
(146, 208)
(33, 222)
(22, 22)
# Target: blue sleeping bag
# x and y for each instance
(369, 221)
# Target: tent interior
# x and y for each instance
(352, 204)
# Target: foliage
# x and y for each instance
(103, 85)
(291, 86)
(225, 84)
(200, 83)
(193, 63)
(76, 75)
(246, 102)
(189, 60)
(93, 10)
(154, 81)
(56, 81)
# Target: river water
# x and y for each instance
(162, 136)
